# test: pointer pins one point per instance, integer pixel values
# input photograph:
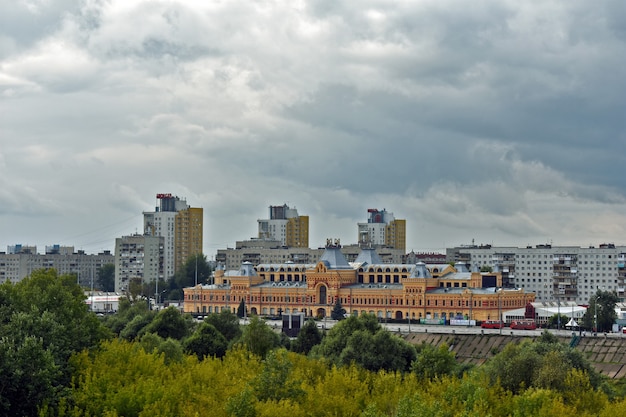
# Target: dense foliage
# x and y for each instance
(124, 379)
(57, 359)
(600, 314)
(363, 341)
(106, 277)
(43, 321)
(542, 364)
(338, 312)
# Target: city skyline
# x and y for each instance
(500, 123)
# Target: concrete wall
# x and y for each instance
(606, 354)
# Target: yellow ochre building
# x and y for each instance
(429, 293)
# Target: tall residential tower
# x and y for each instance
(382, 229)
(181, 228)
(285, 226)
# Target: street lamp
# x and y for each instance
(558, 317)
(595, 318)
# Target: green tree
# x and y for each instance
(206, 341)
(43, 321)
(378, 351)
(433, 362)
(553, 322)
(486, 268)
(274, 383)
(541, 363)
(336, 339)
(241, 309)
(126, 312)
(226, 323)
(106, 277)
(169, 323)
(338, 311)
(602, 305)
(259, 338)
(172, 350)
(136, 326)
(29, 376)
(196, 269)
(362, 340)
(308, 337)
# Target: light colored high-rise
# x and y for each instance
(181, 228)
(382, 230)
(138, 257)
(555, 273)
(285, 226)
(20, 261)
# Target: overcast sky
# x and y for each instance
(501, 122)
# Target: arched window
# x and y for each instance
(322, 294)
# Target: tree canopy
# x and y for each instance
(362, 340)
(196, 269)
(43, 321)
(258, 338)
(338, 311)
(603, 305)
(543, 363)
(106, 277)
(308, 336)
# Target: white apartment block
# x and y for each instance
(138, 257)
(262, 251)
(162, 222)
(275, 228)
(553, 273)
(374, 231)
(20, 261)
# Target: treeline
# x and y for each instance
(58, 359)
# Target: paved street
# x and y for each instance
(421, 328)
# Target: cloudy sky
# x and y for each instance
(497, 121)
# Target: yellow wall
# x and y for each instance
(188, 235)
(414, 296)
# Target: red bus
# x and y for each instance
(492, 324)
(525, 324)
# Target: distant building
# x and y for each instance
(382, 229)
(262, 251)
(426, 257)
(20, 261)
(285, 226)
(138, 257)
(181, 227)
(102, 301)
(434, 294)
(555, 273)
(21, 249)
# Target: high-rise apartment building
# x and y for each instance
(263, 251)
(20, 261)
(382, 229)
(188, 235)
(138, 257)
(554, 273)
(285, 226)
(181, 228)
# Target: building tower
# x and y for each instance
(285, 226)
(181, 228)
(138, 257)
(382, 229)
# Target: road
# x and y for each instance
(403, 328)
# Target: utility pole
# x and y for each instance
(500, 324)
(595, 319)
(195, 288)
